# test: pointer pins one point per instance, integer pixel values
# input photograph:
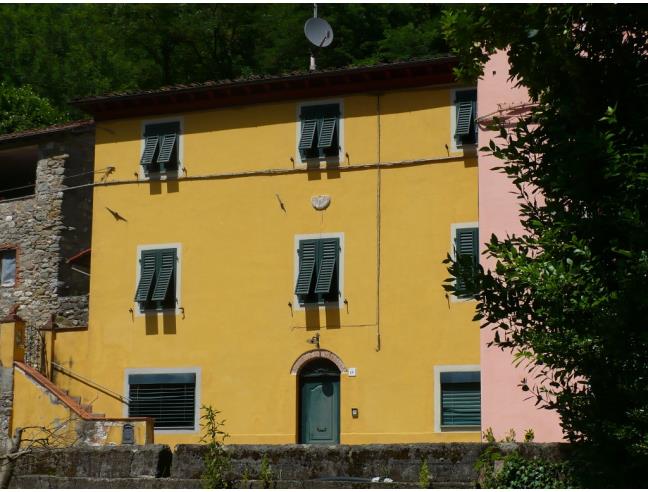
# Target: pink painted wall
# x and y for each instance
(503, 402)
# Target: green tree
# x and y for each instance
(568, 295)
(22, 109)
(64, 51)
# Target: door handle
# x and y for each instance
(319, 429)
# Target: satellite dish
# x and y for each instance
(318, 32)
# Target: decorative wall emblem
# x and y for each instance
(320, 202)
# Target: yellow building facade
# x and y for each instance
(237, 215)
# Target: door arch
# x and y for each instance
(319, 402)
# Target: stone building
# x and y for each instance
(45, 224)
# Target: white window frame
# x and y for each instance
(168, 370)
(178, 277)
(297, 305)
(12, 283)
(454, 145)
(143, 175)
(328, 160)
(437, 396)
(453, 234)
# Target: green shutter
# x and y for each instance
(165, 269)
(461, 404)
(465, 111)
(327, 259)
(467, 254)
(307, 258)
(150, 146)
(307, 137)
(326, 133)
(166, 148)
(147, 272)
(467, 242)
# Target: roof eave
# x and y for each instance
(317, 84)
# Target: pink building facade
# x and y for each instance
(504, 404)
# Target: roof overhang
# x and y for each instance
(208, 95)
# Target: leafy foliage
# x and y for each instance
(424, 475)
(217, 463)
(22, 109)
(568, 295)
(66, 51)
(500, 470)
(266, 475)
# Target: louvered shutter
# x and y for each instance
(166, 148)
(165, 270)
(169, 398)
(147, 272)
(307, 137)
(326, 133)
(467, 253)
(328, 257)
(465, 111)
(150, 146)
(307, 258)
(460, 399)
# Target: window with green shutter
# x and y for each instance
(169, 398)
(465, 106)
(466, 244)
(318, 275)
(156, 287)
(319, 131)
(460, 399)
(161, 141)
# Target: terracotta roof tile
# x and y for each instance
(61, 127)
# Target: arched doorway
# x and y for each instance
(319, 402)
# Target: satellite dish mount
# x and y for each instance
(319, 33)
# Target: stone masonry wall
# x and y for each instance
(450, 465)
(33, 226)
(46, 229)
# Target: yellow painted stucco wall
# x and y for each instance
(240, 326)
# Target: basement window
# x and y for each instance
(170, 398)
(460, 399)
(8, 268)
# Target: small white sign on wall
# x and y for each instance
(352, 371)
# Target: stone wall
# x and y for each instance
(33, 226)
(46, 229)
(293, 466)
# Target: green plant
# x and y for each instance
(245, 478)
(488, 435)
(518, 472)
(217, 463)
(424, 475)
(266, 475)
(529, 435)
(510, 436)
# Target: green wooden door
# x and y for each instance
(320, 404)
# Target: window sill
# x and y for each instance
(460, 428)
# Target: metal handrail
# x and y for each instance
(89, 382)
